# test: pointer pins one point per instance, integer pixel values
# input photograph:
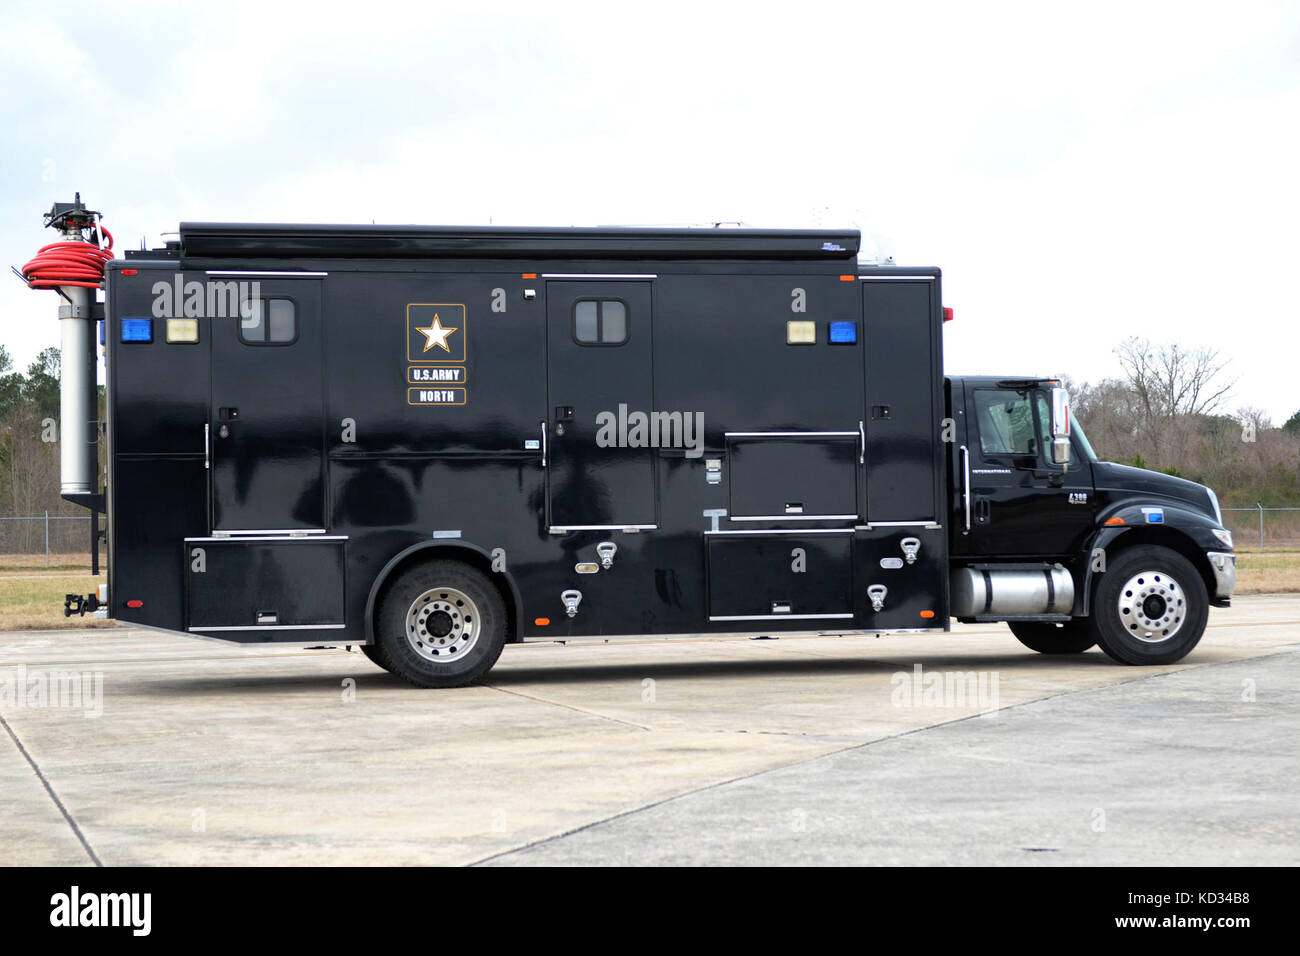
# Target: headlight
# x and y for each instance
(1222, 534)
(1214, 503)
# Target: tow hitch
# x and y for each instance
(79, 604)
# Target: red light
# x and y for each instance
(135, 603)
(130, 272)
(947, 314)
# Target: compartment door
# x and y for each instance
(599, 377)
(264, 584)
(266, 430)
(760, 577)
(793, 476)
(900, 346)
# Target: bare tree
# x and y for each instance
(1169, 382)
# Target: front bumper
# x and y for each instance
(1224, 566)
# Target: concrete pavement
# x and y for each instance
(816, 750)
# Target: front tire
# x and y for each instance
(1150, 607)
(1047, 637)
(440, 624)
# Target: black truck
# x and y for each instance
(433, 441)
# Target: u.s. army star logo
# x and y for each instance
(436, 335)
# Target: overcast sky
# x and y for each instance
(1081, 173)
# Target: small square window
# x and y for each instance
(266, 321)
(600, 322)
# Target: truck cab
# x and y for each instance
(1070, 550)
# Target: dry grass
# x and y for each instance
(1268, 572)
(76, 561)
(34, 599)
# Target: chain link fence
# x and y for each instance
(1265, 529)
(46, 540)
(58, 540)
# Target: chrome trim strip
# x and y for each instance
(226, 539)
(284, 275)
(598, 275)
(965, 484)
(790, 434)
(275, 627)
(896, 278)
(563, 528)
(297, 532)
(778, 617)
(783, 531)
(923, 523)
(793, 518)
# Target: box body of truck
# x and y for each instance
(629, 431)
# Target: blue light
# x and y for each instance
(844, 333)
(137, 330)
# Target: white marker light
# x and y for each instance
(182, 330)
(799, 332)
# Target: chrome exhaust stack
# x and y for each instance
(78, 399)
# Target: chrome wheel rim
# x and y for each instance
(442, 625)
(1152, 606)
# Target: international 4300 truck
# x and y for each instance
(434, 441)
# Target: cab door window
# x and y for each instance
(1006, 425)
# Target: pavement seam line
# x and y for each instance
(556, 703)
(76, 830)
(1285, 649)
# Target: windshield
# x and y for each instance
(1082, 437)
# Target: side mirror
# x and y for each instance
(1060, 427)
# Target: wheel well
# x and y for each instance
(1166, 538)
(466, 554)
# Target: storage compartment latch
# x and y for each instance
(571, 598)
(606, 551)
(911, 548)
(877, 594)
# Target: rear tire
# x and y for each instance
(1048, 637)
(440, 624)
(1150, 607)
(375, 654)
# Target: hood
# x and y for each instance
(1109, 476)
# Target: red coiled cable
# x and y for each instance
(69, 263)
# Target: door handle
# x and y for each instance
(965, 483)
(983, 512)
(544, 430)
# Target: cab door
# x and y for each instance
(1021, 505)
